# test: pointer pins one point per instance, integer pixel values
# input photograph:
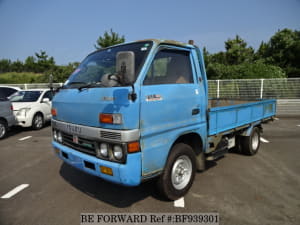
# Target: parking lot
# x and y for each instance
(263, 189)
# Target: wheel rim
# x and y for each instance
(38, 122)
(181, 172)
(2, 130)
(255, 141)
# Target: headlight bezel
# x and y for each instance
(57, 135)
(111, 155)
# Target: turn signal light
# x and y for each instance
(110, 118)
(53, 112)
(106, 118)
(106, 170)
(56, 150)
(133, 147)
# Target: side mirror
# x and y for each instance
(125, 66)
(45, 100)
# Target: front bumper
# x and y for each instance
(128, 174)
(23, 121)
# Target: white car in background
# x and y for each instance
(32, 108)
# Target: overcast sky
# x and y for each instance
(68, 29)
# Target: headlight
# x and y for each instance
(59, 136)
(54, 135)
(22, 112)
(103, 149)
(118, 152)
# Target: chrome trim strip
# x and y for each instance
(95, 132)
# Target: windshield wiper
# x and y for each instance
(71, 83)
(90, 85)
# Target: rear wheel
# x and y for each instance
(37, 121)
(3, 129)
(250, 144)
(179, 172)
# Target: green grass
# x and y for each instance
(21, 78)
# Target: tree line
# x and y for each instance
(277, 58)
(35, 69)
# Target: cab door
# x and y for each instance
(170, 103)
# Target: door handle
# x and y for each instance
(195, 111)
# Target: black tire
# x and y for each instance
(37, 121)
(3, 129)
(250, 144)
(179, 172)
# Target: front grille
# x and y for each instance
(84, 145)
(110, 135)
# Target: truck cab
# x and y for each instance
(135, 111)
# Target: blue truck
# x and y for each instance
(140, 110)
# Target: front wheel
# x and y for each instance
(179, 172)
(37, 121)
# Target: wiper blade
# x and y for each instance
(74, 82)
(91, 85)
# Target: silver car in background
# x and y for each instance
(7, 118)
(7, 91)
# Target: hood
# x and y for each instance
(83, 107)
(20, 105)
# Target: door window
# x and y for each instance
(170, 67)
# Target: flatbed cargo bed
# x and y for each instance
(227, 114)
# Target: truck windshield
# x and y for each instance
(102, 62)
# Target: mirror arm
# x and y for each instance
(132, 96)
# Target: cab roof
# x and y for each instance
(168, 42)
